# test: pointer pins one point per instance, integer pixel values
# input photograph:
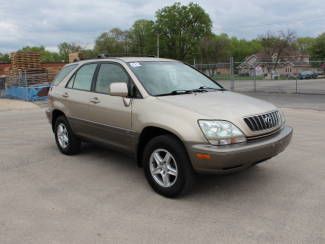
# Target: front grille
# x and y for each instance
(263, 121)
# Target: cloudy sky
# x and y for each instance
(49, 22)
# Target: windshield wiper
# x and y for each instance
(200, 89)
(176, 92)
(211, 88)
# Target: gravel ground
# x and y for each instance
(11, 104)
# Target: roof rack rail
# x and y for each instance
(103, 55)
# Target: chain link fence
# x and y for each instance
(27, 85)
(280, 77)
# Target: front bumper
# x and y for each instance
(223, 159)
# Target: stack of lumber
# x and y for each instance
(26, 69)
(25, 60)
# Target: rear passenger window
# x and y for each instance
(107, 74)
(63, 73)
(83, 78)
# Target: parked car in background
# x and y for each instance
(307, 75)
(174, 120)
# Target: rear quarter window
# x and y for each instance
(64, 72)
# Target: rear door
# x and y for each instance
(110, 115)
(77, 96)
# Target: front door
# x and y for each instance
(110, 116)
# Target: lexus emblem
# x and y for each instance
(267, 119)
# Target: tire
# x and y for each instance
(67, 142)
(178, 160)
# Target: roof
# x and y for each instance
(127, 59)
(142, 59)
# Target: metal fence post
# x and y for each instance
(254, 79)
(296, 85)
(232, 82)
(26, 86)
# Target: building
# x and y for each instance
(260, 64)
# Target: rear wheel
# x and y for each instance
(66, 141)
(167, 167)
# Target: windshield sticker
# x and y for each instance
(135, 65)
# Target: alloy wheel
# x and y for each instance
(163, 167)
(62, 135)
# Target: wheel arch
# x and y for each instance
(149, 133)
(55, 114)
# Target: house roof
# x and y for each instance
(295, 58)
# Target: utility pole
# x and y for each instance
(158, 45)
(127, 46)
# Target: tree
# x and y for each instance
(318, 48)
(114, 42)
(181, 28)
(4, 58)
(241, 48)
(278, 47)
(142, 37)
(304, 44)
(65, 48)
(215, 48)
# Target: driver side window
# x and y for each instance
(109, 73)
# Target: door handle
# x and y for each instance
(94, 100)
(65, 94)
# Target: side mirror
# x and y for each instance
(118, 89)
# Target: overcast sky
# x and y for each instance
(49, 22)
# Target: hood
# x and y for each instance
(224, 105)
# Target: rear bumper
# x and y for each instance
(224, 159)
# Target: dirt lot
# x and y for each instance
(101, 196)
(10, 104)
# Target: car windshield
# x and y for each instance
(171, 78)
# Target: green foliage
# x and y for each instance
(184, 33)
(142, 38)
(4, 58)
(317, 49)
(88, 53)
(241, 48)
(181, 29)
(46, 56)
(282, 44)
(219, 48)
(214, 48)
(304, 44)
(65, 48)
(114, 43)
(278, 47)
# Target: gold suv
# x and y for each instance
(173, 119)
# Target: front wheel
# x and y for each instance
(65, 139)
(167, 167)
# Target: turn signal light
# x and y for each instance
(203, 156)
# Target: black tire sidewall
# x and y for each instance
(185, 172)
(74, 143)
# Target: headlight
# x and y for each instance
(219, 132)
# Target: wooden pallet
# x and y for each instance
(25, 60)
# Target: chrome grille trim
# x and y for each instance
(253, 138)
(264, 121)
